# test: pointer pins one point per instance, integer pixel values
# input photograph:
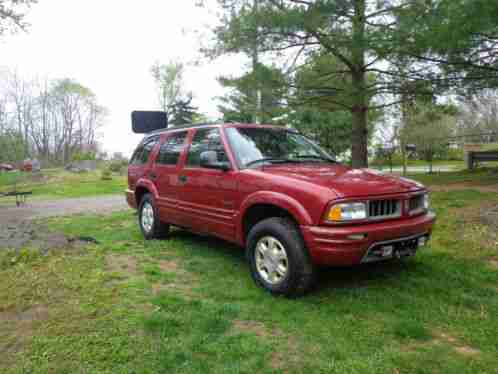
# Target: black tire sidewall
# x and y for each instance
(288, 234)
(153, 233)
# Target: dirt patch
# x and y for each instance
(118, 263)
(168, 266)
(494, 263)
(19, 327)
(36, 313)
(451, 340)
(35, 209)
(184, 289)
(26, 234)
(477, 223)
(490, 216)
(253, 327)
(281, 360)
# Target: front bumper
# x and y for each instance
(334, 246)
(130, 199)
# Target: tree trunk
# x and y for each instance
(359, 110)
(359, 146)
(255, 63)
(404, 158)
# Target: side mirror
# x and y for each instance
(209, 160)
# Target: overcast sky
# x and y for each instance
(109, 46)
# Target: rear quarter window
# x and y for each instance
(143, 151)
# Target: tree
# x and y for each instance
(241, 105)
(182, 112)
(12, 15)
(462, 36)
(388, 39)
(429, 128)
(55, 119)
(478, 117)
(331, 130)
(11, 146)
(169, 85)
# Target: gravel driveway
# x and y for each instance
(41, 209)
(17, 230)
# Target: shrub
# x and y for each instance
(80, 156)
(455, 154)
(117, 166)
(106, 174)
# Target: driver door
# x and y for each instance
(208, 196)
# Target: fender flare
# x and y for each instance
(148, 185)
(283, 201)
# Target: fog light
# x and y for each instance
(387, 251)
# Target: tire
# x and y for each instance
(268, 270)
(148, 220)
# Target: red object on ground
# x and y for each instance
(27, 165)
(6, 167)
(224, 180)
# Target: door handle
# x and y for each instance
(152, 175)
(182, 178)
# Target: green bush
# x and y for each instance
(455, 155)
(80, 156)
(106, 174)
(118, 166)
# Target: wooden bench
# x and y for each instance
(480, 156)
(20, 196)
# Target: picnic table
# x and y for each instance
(19, 195)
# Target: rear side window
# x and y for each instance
(143, 151)
(170, 150)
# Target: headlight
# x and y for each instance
(347, 212)
(426, 201)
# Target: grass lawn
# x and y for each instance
(188, 305)
(58, 183)
(478, 177)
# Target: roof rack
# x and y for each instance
(188, 126)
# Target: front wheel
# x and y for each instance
(278, 257)
(148, 219)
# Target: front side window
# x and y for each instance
(253, 145)
(171, 149)
(206, 140)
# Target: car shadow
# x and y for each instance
(328, 278)
(359, 276)
(221, 246)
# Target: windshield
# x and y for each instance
(253, 145)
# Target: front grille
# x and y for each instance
(384, 208)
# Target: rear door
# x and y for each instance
(208, 196)
(165, 176)
(139, 163)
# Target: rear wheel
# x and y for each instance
(148, 219)
(278, 257)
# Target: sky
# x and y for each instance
(110, 45)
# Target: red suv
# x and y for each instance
(277, 194)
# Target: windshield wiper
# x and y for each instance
(314, 157)
(271, 159)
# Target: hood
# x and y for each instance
(344, 181)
